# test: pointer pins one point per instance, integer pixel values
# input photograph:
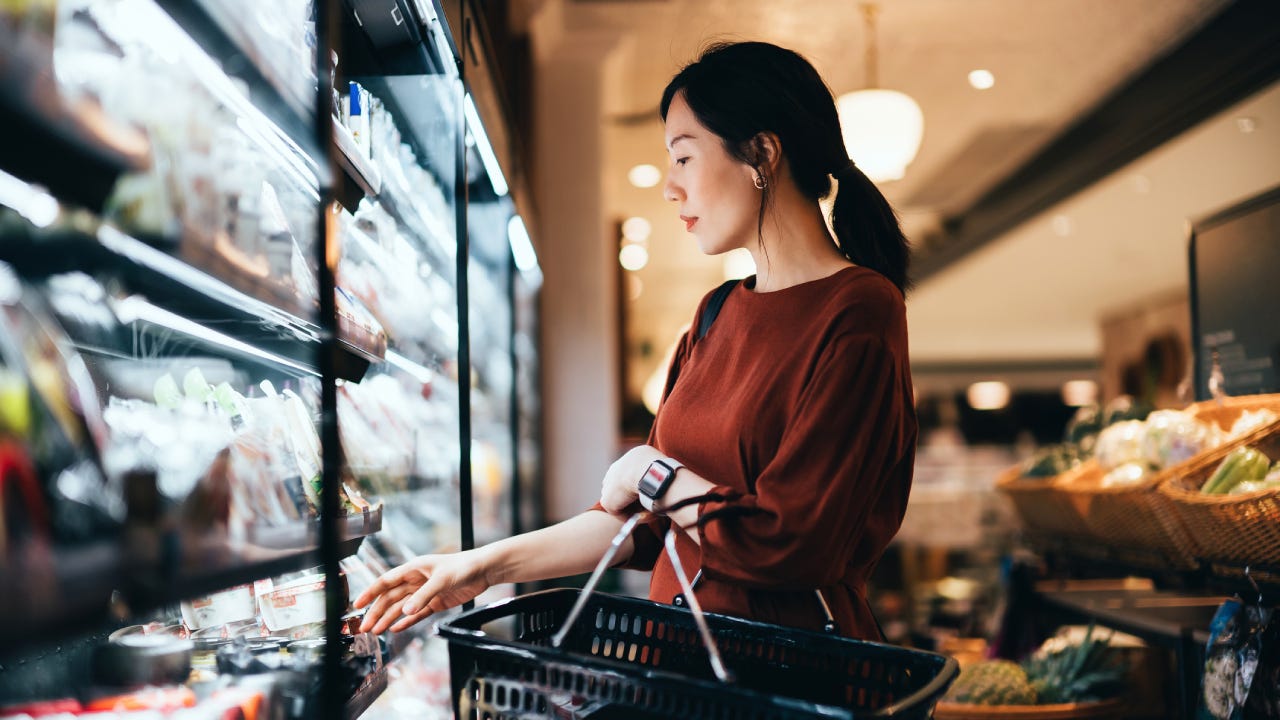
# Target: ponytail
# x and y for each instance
(867, 229)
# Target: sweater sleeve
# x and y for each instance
(647, 536)
(819, 494)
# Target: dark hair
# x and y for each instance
(740, 90)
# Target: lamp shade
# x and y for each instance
(882, 131)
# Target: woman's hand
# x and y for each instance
(618, 490)
(425, 585)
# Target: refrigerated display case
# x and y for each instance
(234, 384)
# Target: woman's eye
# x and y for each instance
(682, 161)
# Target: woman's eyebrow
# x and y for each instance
(677, 139)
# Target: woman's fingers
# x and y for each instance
(385, 582)
(383, 603)
(392, 615)
(407, 621)
(425, 594)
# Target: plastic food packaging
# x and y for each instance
(220, 608)
(299, 602)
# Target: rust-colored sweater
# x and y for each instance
(797, 405)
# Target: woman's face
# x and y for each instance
(714, 192)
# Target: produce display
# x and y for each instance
(1243, 470)
(1056, 673)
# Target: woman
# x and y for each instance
(789, 426)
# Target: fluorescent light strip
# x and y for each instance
(167, 265)
(487, 155)
(134, 308)
(29, 201)
(521, 246)
(419, 373)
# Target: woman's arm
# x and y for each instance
(619, 489)
(432, 583)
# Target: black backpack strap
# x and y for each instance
(713, 307)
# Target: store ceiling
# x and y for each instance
(1033, 293)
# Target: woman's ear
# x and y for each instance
(766, 150)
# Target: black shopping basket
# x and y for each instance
(631, 658)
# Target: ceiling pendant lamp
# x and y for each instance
(882, 128)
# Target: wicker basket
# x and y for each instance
(1042, 504)
(1132, 517)
(1139, 517)
(1240, 529)
(1103, 710)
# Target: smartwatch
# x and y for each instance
(656, 480)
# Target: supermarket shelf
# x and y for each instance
(176, 571)
(373, 686)
(360, 177)
(1177, 621)
(67, 591)
(56, 593)
(191, 297)
(307, 534)
(73, 150)
(213, 30)
(418, 226)
(389, 37)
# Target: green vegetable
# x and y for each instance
(1053, 460)
(1244, 464)
(167, 393)
(1082, 431)
(195, 386)
(1077, 673)
(226, 398)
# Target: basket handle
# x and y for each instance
(717, 664)
(623, 533)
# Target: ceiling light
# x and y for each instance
(645, 175)
(739, 264)
(882, 128)
(1078, 393)
(991, 395)
(1246, 125)
(982, 79)
(633, 257)
(636, 229)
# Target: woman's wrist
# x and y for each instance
(492, 561)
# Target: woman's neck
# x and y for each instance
(797, 247)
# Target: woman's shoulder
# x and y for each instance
(865, 300)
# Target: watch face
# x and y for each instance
(655, 479)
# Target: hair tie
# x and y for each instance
(847, 169)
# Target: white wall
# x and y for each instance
(579, 306)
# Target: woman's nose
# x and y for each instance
(671, 191)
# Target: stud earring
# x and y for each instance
(760, 182)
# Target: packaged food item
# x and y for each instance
(138, 659)
(295, 603)
(220, 608)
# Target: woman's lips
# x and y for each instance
(689, 222)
